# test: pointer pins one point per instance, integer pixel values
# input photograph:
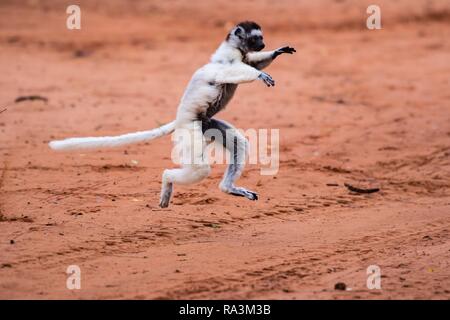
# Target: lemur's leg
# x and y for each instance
(237, 145)
(186, 175)
(195, 166)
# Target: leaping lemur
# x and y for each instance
(238, 59)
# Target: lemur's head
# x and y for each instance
(246, 36)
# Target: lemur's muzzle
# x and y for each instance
(260, 47)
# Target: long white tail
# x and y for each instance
(109, 142)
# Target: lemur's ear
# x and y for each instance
(238, 31)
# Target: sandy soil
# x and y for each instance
(370, 108)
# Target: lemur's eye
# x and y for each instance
(255, 38)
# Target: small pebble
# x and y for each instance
(340, 286)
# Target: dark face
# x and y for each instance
(247, 36)
(255, 42)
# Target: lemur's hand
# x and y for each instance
(281, 50)
(267, 79)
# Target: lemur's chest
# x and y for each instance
(224, 95)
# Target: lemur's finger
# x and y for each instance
(270, 82)
(267, 79)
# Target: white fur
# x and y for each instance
(108, 142)
(225, 67)
(259, 56)
(256, 32)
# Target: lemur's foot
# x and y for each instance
(267, 79)
(166, 194)
(242, 192)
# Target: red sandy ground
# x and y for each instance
(369, 108)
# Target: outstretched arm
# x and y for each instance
(241, 73)
(260, 60)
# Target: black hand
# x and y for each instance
(286, 49)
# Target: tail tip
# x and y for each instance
(54, 145)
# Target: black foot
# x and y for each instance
(241, 192)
